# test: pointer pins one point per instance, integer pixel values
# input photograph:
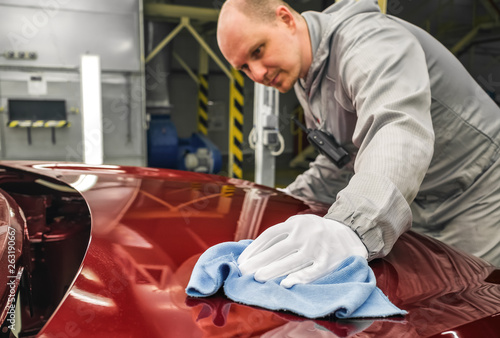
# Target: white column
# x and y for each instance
(90, 72)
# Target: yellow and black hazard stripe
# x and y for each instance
(203, 104)
(236, 97)
(38, 124)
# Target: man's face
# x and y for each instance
(268, 53)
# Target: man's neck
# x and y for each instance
(305, 41)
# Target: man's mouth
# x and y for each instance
(274, 81)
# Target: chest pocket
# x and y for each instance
(337, 112)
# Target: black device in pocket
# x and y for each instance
(326, 145)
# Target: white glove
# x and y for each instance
(304, 248)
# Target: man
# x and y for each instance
(424, 136)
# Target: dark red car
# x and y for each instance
(107, 251)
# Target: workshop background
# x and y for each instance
(162, 94)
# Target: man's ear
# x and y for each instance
(284, 15)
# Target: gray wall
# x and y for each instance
(60, 31)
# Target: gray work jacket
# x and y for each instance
(419, 126)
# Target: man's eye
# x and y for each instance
(257, 51)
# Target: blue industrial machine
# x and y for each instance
(166, 150)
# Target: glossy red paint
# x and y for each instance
(12, 227)
(149, 226)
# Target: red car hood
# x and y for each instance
(149, 226)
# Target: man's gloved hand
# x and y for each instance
(303, 248)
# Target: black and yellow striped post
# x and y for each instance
(236, 102)
(203, 92)
(203, 104)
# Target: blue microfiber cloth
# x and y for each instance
(348, 292)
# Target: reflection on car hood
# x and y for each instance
(149, 226)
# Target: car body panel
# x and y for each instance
(12, 232)
(149, 226)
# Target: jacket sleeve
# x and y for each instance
(383, 71)
(322, 181)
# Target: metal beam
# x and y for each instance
(469, 37)
(185, 66)
(492, 9)
(167, 11)
(209, 50)
(185, 23)
(167, 39)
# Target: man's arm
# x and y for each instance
(322, 181)
(384, 73)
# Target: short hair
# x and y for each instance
(260, 9)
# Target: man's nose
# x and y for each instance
(257, 72)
